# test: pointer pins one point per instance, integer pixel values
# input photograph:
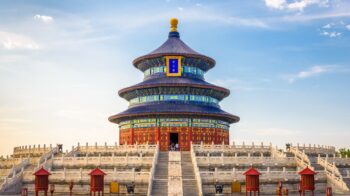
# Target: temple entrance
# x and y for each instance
(174, 141)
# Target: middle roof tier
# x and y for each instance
(174, 85)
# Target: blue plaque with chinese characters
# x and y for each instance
(173, 65)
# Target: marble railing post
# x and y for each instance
(222, 158)
(126, 158)
(113, 158)
(74, 159)
(64, 173)
(99, 159)
(81, 173)
(208, 158)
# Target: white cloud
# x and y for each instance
(298, 5)
(313, 71)
(327, 26)
(331, 34)
(276, 4)
(180, 9)
(348, 27)
(43, 18)
(12, 41)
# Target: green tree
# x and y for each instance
(344, 152)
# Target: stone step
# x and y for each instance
(160, 181)
(189, 184)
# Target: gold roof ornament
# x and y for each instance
(173, 24)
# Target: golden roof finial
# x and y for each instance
(173, 24)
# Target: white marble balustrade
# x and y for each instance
(232, 148)
(83, 175)
(339, 161)
(110, 160)
(31, 150)
(245, 160)
(115, 148)
(315, 149)
(229, 176)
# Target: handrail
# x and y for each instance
(333, 174)
(276, 153)
(10, 181)
(301, 158)
(43, 159)
(196, 171)
(151, 176)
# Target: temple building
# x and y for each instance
(174, 104)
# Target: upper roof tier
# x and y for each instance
(174, 46)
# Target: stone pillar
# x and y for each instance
(64, 173)
(222, 158)
(81, 174)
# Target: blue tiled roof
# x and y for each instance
(174, 46)
(171, 81)
(173, 108)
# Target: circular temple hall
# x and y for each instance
(174, 104)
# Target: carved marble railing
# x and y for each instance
(31, 150)
(83, 175)
(277, 153)
(196, 171)
(15, 175)
(339, 160)
(10, 182)
(231, 148)
(43, 161)
(333, 173)
(9, 162)
(152, 172)
(316, 149)
(233, 175)
(301, 158)
(266, 161)
(115, 148)
(98, 161)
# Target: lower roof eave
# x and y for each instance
(120, 117)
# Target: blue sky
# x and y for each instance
(286, 63)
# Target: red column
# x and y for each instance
(132, 135)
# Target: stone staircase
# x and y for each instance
(314, 164)
(189, 183)
(160, 181)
